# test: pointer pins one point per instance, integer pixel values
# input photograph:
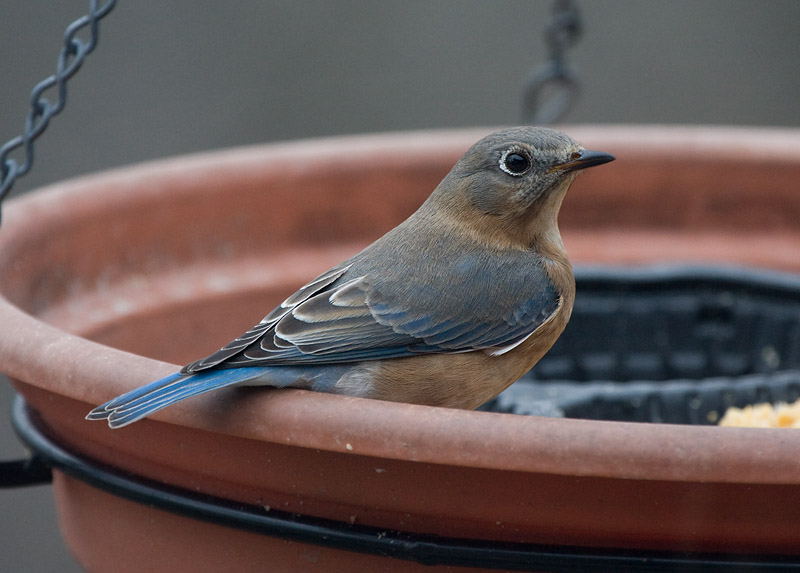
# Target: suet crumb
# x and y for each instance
(780, 415)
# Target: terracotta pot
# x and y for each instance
(110, 280)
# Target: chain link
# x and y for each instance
(552, 88)
(554, 76)
(42, 110)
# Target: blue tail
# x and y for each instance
(142, 402)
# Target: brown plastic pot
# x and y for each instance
(109, 281)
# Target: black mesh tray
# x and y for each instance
(668, 344)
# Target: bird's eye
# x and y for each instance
(515, 162)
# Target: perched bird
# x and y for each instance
(448, 308)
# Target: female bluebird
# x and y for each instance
(448, 308)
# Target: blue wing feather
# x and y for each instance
(152, 397)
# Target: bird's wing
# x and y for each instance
(476, 302)
(320, 283)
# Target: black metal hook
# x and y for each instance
(550, 93)
(552, 88)
(26, 472)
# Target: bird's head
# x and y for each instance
(512, 182)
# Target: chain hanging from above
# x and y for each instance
(70, 60)
(552, 88)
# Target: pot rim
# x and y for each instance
(34, 351)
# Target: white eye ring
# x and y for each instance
(515, 161)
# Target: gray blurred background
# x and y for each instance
(178, 77)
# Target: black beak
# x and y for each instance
(583, 159)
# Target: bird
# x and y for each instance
(447, 309)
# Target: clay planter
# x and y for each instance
(111, 280)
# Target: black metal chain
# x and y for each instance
(552, 88)
(70, 60)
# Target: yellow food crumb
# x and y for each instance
(781, 415)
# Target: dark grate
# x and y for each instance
(672, 344)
